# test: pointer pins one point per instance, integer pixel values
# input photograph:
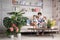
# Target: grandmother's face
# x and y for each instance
(39, 15)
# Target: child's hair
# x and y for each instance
(37, 17)
(34, 15)
(45, 17)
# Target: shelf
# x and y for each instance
(27, 5)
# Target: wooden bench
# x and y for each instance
(43, 30)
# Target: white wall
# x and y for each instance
(56, 11)
(47, 8)
(5, 7)
(0, 13)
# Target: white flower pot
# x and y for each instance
(12, 37)
(19, 36)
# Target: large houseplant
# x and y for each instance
(16, 21)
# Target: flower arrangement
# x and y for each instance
(51, 23)
(11, 27)
(14, 23)
(14, 27)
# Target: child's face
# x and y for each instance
(34, 17)
(44, 18)
(39, 15)
(37, 18)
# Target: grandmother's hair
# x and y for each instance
(39, 13)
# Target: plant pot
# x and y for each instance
(19, 36)
(11, 36)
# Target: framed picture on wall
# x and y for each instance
(35, 3)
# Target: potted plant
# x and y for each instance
(16, 21)
(49, 24)
(9, 28)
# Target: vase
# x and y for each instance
(12, 37)
(19, 36)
